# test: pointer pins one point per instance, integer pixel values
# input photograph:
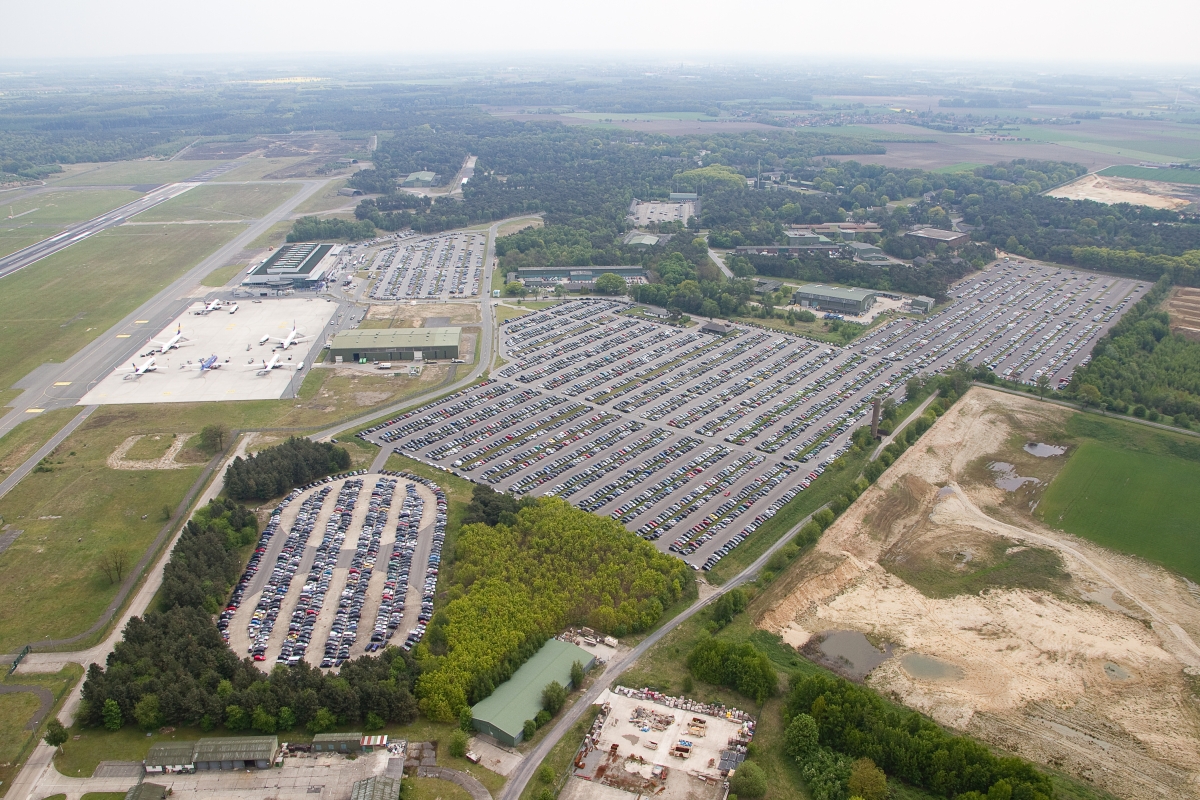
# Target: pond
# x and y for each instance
(1044, 450)
(1115, 671)
(851, 653)
(1007, 477)
(928, 668)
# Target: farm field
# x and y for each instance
(127, 173)
(51, 309)
(221, 202)
(1141, 503)
(1191, 176)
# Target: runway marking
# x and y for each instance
(140, 321)
(34, 410)
(123, 335)
(63, 383)
(166, 394)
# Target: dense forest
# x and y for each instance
(1140, 367)
(316, 229)
(513, 586)
(173, 668)
(277, 470)
(830, 721)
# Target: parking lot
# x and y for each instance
(445, 266)
(345, 566)
(695, 440)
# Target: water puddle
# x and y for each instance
(1115, 671)
(945, 491)
(928, 668)
(1044, 450)
(1007, 477)
(1104, 597)
(850, 653)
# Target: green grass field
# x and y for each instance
(256, 169)
(214, 201)
(1191, 176)
(24, 440)
(965, 166)
(128, 173)
(17, 710)
(14, 239)
(40, 216)
(51, 309)
(1142, 503)
(222, 275)
(327, 198)
(50, 582)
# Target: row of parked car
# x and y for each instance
(433, 563)
(615, 334)
(344, 628)
(440, 412)
(429, 437)
(399, 565)
(576, 456)
(501, 427)
(320, 574)
(447, 403)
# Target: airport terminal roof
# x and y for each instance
(520, 697)
(840, 292)
(237, 748)
(397, 338)
(291, 262)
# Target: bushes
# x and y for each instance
(748, 781)
(205, 564)
(741, 667)
(515, 585)
(854, 722)
(277, 470)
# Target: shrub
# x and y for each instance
(553, 697)
(749, 780)
(458, 744)
(529, 729)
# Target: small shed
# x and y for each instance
(337, 742)
(170, 757)
(369, 743)
(922, 303)
(715, 327)
(380, 787)
(236, 752)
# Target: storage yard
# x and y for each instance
(236, 339)
(441, 267)
(361, 541)
(710, 435)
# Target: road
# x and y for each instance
(81, 230)
(720, 262)
(60, 385)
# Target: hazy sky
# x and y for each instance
(1096, 32)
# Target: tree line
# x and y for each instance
(317, 229)
(277, 470)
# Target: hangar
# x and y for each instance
(834, 298)
(503, 715)
(931, 237)
(396, 344)
(295, 266)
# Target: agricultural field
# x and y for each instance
(1150, 174)
(221, 202)
(134, 173)
(51, 309)
(1132, 491)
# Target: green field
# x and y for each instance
(1191, 176)
(1142, 503)
(51, 309)
(17, 711)
(14, 239)
(222, 275)
(128, 173)
(235, 201)
(256, 169)
(40, 216)
(966, 166)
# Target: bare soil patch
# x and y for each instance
(1104, 189)
(119, 459)
(1061, 651)
(1184, 307)
(410, 316)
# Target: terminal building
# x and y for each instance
(396, 344)
(503, 714)
(838, 299)
(295, 266)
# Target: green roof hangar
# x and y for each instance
(396, 344)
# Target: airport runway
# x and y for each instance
(53, 386)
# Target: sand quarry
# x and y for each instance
(1184, 308)
(1096, 678)
(1102, 189)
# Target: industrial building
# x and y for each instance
(295, 266)
(379, 787)
(420, 179)
(170, 757)
(932, 237)
(834, 298)
(146, 791)
(922, 303)
(396, 344)
(213, 753)
(866, 252)
(337, 742)
(502, 716)
(765, 285)
(549, 277)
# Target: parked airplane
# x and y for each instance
(269, 365)
(209, 307)
(209, 364)
(172, 343)
(294, 337)
(137, 372)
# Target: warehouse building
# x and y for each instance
(236, 752)
(922, 303)
(420, 179)
(170, 757)
(932, 237)
(503, 715)
(146, 791)
(380, 787)
(396, 344)
(295, 266)
(834, 298)
(337, 742)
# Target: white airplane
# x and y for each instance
(171, 344)
(137, 372)
(269, 365)
(294, 337)
(211, 306)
